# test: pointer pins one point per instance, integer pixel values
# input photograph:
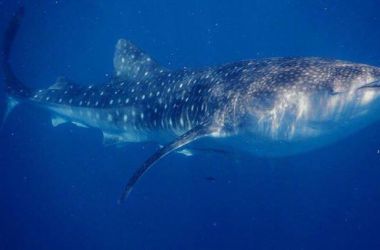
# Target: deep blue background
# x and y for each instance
(59, 186)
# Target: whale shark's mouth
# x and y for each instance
(371, 85)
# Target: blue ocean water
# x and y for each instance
(59, 186)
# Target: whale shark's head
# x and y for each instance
(342, 92)
(348, 77)
(300, 99)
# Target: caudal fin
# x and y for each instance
(13, 86)
(14, 89)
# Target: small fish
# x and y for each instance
(210, 179)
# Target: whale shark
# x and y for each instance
(268, 107)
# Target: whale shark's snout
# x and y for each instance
(363, 89)
(347, 77)
(373, 85)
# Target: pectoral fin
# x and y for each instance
(190, 136)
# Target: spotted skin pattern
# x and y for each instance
(275, 106)
(173, 102)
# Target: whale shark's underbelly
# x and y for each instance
(119, 125)
(306, 123)
(290, 127)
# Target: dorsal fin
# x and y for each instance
(60, 83)
(132, 64)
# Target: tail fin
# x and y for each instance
(13, 86)
(14, 89)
